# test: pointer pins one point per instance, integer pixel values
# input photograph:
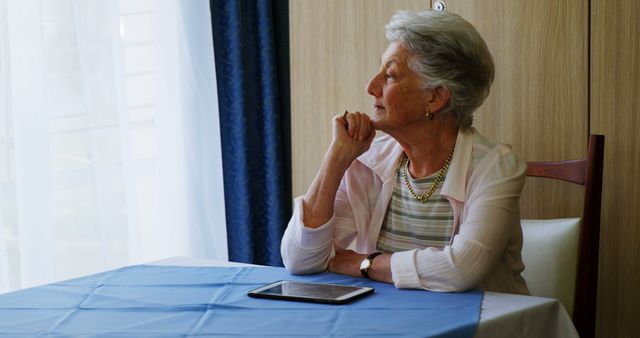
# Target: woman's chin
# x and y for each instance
(378, 122)
(375, 123)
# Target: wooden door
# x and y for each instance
(615, 113)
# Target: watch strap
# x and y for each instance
(370, 257)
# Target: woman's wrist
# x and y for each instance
(381, 269)
(340, 156)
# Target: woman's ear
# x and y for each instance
(437, 98)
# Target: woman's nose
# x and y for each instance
(373, 87)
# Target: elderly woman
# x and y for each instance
(432, 204)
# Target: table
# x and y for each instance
(502, 315)
(187, 297)
(211, 301)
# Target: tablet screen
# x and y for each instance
(313, 292)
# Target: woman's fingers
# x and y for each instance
(358, 125)
(363, 132)
(352, 134)
(351, 123)
(341, 125)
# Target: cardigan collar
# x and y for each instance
(386, 156)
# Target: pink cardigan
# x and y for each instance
(483, 186)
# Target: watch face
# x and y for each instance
(364, 265)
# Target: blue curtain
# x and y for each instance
(251, 51)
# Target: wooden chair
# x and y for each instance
(586, 172)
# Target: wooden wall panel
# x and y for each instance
(335, 49)
(539, 99)
(615, 112)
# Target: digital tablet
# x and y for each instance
(311, 292)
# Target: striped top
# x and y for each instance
(410, 224)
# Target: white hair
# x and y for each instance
(446, 51)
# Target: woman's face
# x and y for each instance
(399, 99)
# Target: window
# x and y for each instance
(104, 156)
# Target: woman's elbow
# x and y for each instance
(301, 267)
(298, 263)
(461, 281)
(466, 282)
(464, 273)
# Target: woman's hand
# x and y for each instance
(352, 135)
(346, 262)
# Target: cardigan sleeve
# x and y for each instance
(491, 211)
(308, 250)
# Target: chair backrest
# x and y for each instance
(550, 255)
(588, 172)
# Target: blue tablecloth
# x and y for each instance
(170, 301)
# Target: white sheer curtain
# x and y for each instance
(109, 137)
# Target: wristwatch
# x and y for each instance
(367, 263)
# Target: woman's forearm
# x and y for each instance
(352, 136)
(319, 200)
